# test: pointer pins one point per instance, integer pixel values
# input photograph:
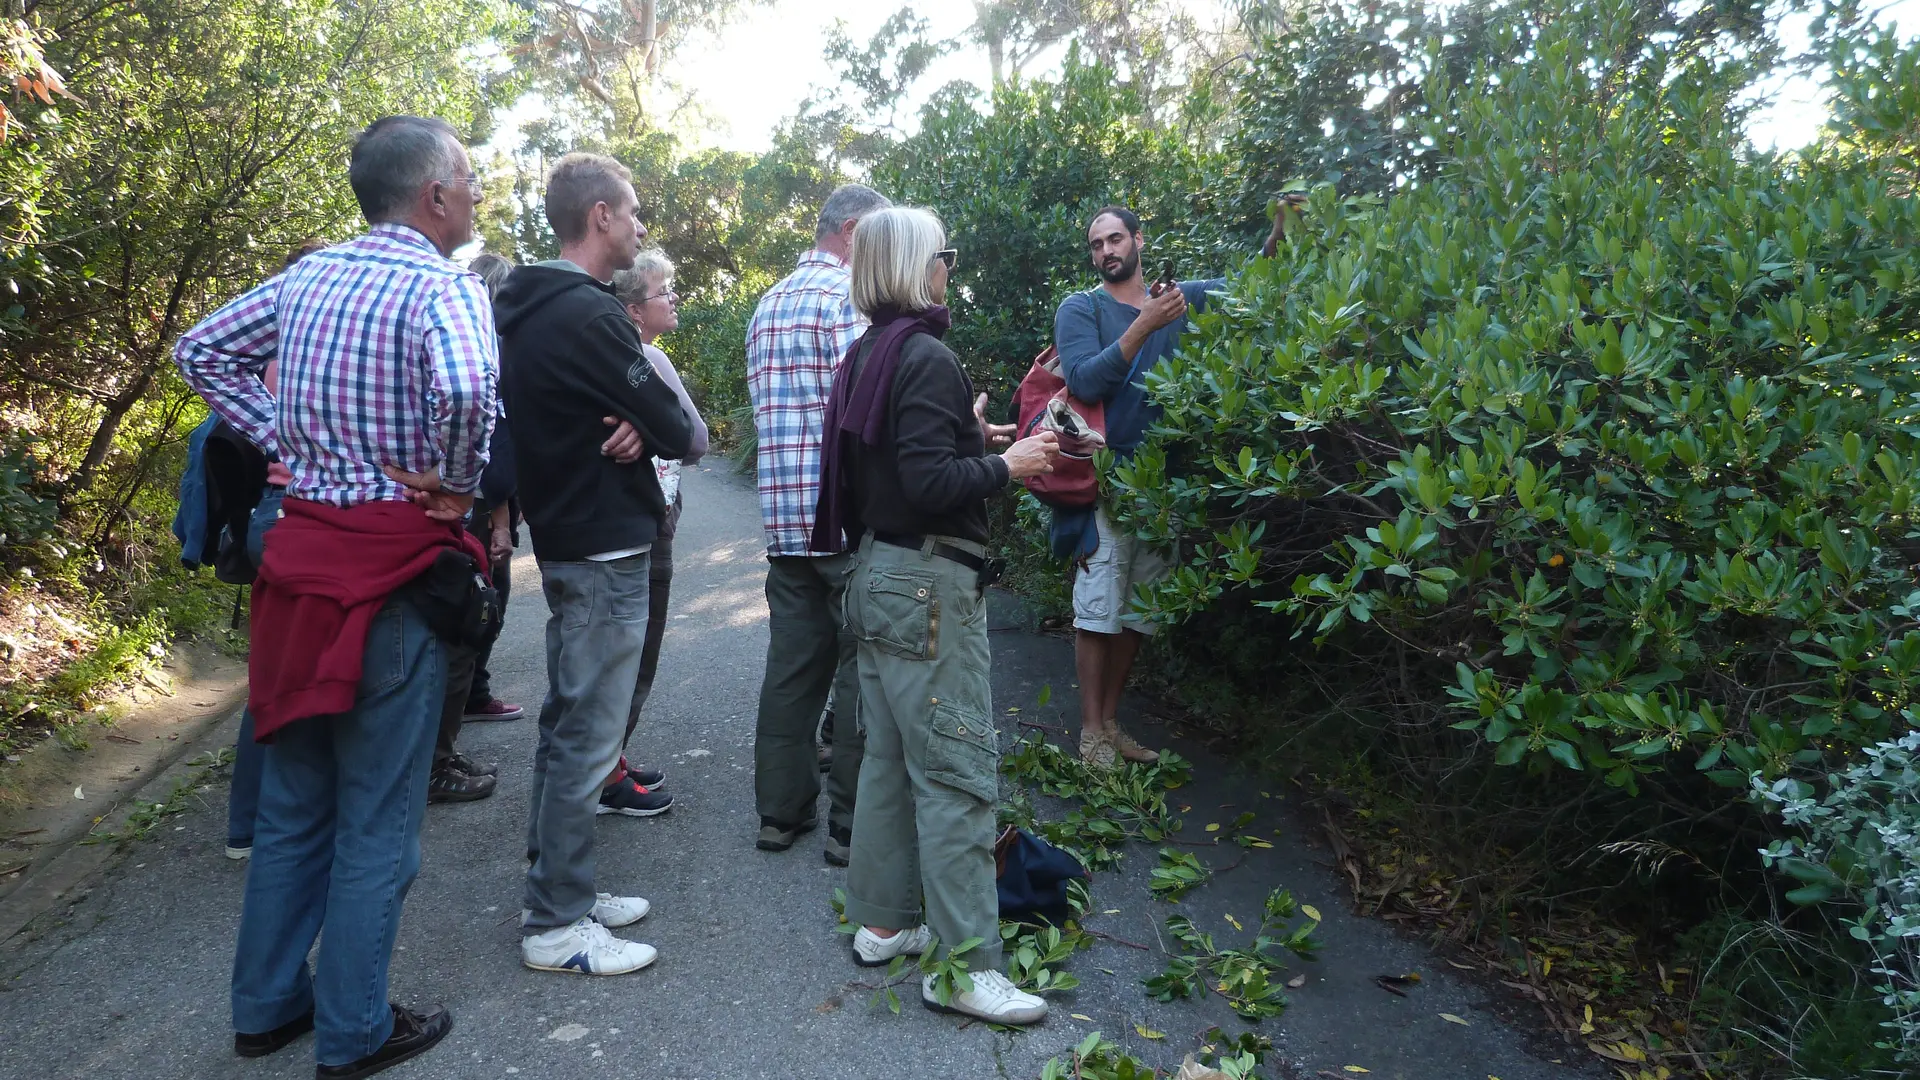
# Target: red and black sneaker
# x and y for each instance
(645, 777)
(625, 796)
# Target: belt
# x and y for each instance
(946, 551)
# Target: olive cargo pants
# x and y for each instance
(924, 821)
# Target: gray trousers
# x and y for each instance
(596, 631)
(806, 647)
(923, 835)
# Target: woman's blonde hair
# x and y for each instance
(650, 270)
(893, 252)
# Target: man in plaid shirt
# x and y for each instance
(387, 365)
(800, 330)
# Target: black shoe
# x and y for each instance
(839, 845)
(269, 1042)
(623, 796)
(448, 784)
(414, 1033)
(471, 767)
(777, 837)
(645, 777)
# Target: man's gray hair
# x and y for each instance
(394, 158)
(651, 269)
(493, 270)
(849, 202)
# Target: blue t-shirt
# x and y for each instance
(1086, 333)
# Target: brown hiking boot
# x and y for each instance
(1131, 750)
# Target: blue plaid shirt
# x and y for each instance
(387, 357)
(800, 330)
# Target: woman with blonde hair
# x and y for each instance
(905, 477)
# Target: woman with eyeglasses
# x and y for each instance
(905, 477)
(647, 291)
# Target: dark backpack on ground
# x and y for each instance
(1033, 876)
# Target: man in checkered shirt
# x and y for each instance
(387, 370)
(801, 329)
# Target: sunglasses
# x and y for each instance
(950, 256)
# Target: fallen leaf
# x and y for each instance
(1111, 911)
(1185, 809)
(78, 794)
(1310, 912)
(1353, 1069)
(1235, 922)
(1463, 967)
(1213, 826)
(1081, 1016)
(1452, 1019)
(568, 1033)
(1146, 1032)
(1397, 984)
(1297, 981)
(1014, 709)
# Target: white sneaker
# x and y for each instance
(993, 998)
(237, 853)
(872, 950)
(610, 911)
(586, 947)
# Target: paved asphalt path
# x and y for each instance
(130, 979)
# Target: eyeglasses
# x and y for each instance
(473, 184)
(658, 295)
(950, 256)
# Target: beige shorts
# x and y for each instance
(1103, 587)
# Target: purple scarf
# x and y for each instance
(858, 409)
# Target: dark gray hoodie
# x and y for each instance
(569, 357)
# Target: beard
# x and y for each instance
(1128, 266)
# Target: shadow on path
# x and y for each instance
(129, 979)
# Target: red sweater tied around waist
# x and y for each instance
(324, 574)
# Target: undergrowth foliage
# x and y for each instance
(1598, 449)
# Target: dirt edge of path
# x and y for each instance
(55, 797)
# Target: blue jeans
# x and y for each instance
(596, 633)
(336, 844)
(243, 794)
(249, 757)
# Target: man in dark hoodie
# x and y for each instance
(571, 360)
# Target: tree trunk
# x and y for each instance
(116, 412)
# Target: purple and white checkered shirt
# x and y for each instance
(800, 330)
(387, 357)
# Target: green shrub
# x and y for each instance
(709, 350)
(1591, 457)
(27, 508)
(1607, 433)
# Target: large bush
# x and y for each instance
(1611, 427)
(1592, 456)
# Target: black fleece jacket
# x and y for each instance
(568, 358)
(931, 475)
